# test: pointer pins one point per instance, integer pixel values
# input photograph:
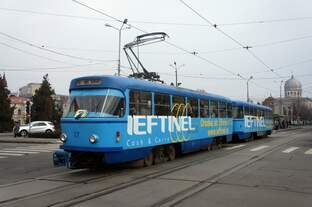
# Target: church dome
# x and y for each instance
(293, 87)
(292, 83)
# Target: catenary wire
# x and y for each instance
(230, 37)
(169, 43)
(49, 50)
(33, 54)
(265, 21)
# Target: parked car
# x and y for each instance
(36, 127)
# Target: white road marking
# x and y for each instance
(10, 154)
(36, 148)
(291, 149)
(235, 147)
(2, 157)
(30, 150)
(18, 151)
(259, 148)
(309, 152)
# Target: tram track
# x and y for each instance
(180, 164)
(184, 193)
(164, 169)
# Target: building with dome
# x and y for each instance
(293, 88)
(290, 106)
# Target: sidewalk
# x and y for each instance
(9, 138)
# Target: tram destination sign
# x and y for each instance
(88, 82)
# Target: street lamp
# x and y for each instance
(280, 108)
(119, 45)
(248, 99)
(174, 66)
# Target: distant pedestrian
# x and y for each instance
(16, 128)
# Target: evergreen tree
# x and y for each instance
(43, 107)
(6, 111)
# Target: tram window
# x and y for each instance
(140, 103)
(178, 106)
(235, 112)
(254, 111)
(192, 109)
(162, 104)
(213, 109)
(247, 111)
(229, 110)
(222, 109)
(238, 112)
(204, 108)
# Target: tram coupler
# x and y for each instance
(60, 158)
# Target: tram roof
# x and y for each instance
(124, 83)
(243, 103)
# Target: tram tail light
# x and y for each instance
(117, 136)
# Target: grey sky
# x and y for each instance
(89, 38)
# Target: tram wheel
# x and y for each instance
(148, 160)
(210, 147)
(171, 152)
(252, 137)
(159, 155)
(219, 143)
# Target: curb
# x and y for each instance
(287, 129)
(25, 141)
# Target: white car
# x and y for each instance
(36, 127)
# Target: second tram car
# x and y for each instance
(251, 120)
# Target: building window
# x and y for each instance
(19, 112)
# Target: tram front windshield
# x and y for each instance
(95, 104)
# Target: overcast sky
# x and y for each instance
(87, 42)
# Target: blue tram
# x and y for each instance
(114, 120)
(251, 120)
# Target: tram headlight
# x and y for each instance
(63, 137)
(93, 138)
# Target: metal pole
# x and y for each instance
(247, 91)
(248, 99)
(280, 111)
(176, 73)
(175, 67)
(119, 50)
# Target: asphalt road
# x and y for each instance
(274, 171)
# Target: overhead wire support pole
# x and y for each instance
(280, 102)
(175, 67)
(248, 99)
(125, 21)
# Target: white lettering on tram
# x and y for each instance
(254, 121)
(142, 125)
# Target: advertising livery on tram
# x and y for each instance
(115, 119)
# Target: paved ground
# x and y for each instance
(9, 138)
(274, 171)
